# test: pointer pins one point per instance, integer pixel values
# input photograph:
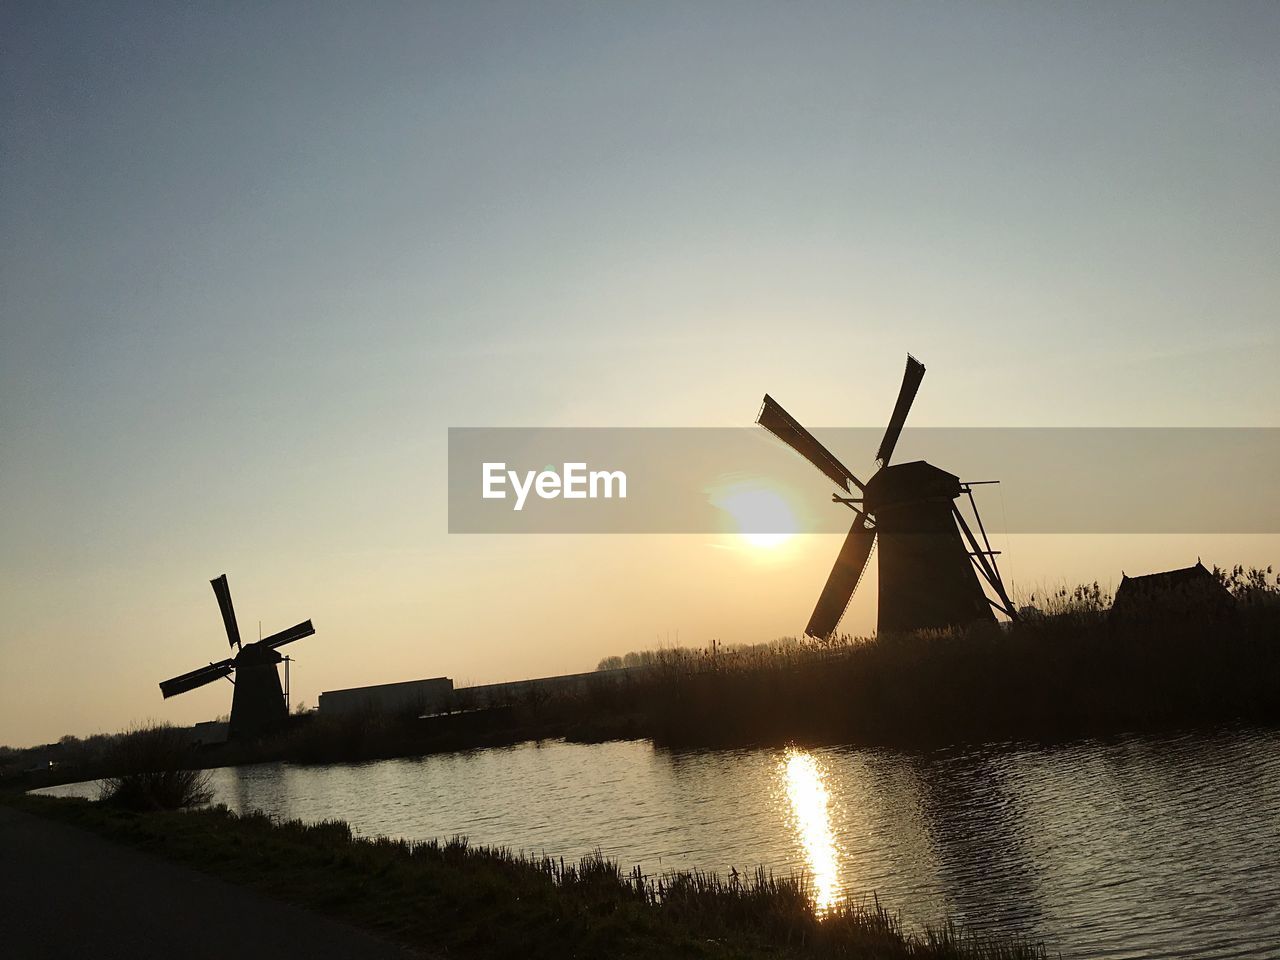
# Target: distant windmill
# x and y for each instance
(930, 559)
(258, 705)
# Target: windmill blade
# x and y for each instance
(843, 581)
(304, 629)
(196, 678)
(787, 429)
(223, 593)
(906, 394)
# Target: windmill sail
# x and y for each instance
(223, 593)
(196, 678)
(787, 429)
(304, 629)
(906, 395)
(843, 581)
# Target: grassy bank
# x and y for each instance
(455, 899)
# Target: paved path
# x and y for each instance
(65, 893)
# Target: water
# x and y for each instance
(1139, 847)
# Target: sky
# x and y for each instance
(255, 260)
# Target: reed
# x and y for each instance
(1065, 669)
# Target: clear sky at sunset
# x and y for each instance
(256, 259)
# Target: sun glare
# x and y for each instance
(809, 800)
(763, 516)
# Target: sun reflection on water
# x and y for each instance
(809, 800)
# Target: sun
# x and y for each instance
(763, 517)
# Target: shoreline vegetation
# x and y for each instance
(455, 899)
(1067, 669)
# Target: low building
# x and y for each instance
(1191, 593)
(210, 732)
(572, 684)
(410, 697)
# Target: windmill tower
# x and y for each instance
(930, 559)
(257, 705)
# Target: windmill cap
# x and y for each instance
(908, 483)
(255, 653)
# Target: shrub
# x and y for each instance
(154, 771)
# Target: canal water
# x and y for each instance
(1133, 847)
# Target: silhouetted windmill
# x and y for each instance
(930, 559)
(257, 706)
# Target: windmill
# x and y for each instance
(257, 705)
(930, 560)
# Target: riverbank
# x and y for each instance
(481, 903)
(68, 894)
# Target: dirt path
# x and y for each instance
(67, 893)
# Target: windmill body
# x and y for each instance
(931, 561)
(257, 705)
(926, 578)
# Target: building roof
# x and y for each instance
(1165, 579)
(388, 686)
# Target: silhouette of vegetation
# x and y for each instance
(156, 769)
(1252, 588)
(454, 898)
(1086, 603)
(1066, 669)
